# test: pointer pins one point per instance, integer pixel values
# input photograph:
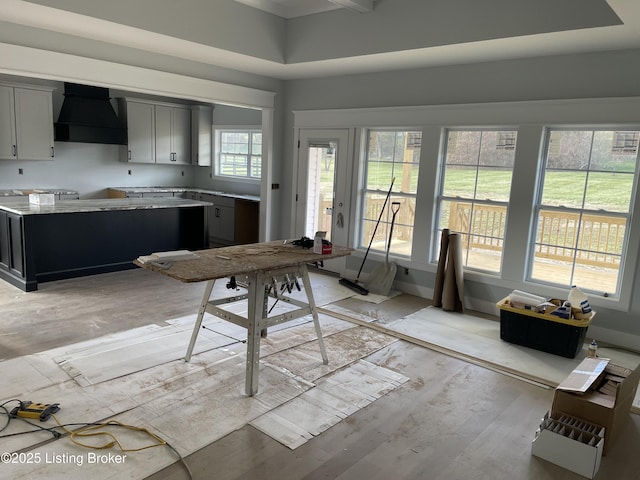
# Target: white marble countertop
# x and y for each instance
(11, 192)
(100, 204)
(253, 198)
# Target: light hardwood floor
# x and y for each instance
(452, 420)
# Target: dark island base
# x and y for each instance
(67, 245)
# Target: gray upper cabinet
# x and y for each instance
(158, 133)
(201, 135)
(26, 123)
(173, 135)
(140, 121)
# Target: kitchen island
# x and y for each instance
(233, 219)
(73, 238)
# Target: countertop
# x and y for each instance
(13, 192)
(23, 207)
(143, 190)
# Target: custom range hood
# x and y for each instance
(87, 116)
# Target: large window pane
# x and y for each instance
(475, 192)
(564, 188)
(609, 191)
(493, 184)
(584, 208)
(459, 181)
(391, 154)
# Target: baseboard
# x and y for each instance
(600, 334)
(412, 289)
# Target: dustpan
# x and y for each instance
(382, 277)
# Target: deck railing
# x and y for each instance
(599, 242)
(404, 220)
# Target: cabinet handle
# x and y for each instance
(15, 150)
(217, 213)
(173, 157)
(52, 152)
(129, 155)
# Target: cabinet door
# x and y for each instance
(13, 250)
(34, 124)
(201, 135)
(157, 194)
(173, 135)
(141, 132)
(68, 196)
(181, 135)
(225, 223)
(211, 213)
(224, 218)
(8, 145)
(5, 261)
(164, 152)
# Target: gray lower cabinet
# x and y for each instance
(231, 221)
(224, 224)
(67, 196)
(157, 194)
(221, 218)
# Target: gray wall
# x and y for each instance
(606, 74)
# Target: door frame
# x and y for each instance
(344, 184)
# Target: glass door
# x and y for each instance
(321, 202)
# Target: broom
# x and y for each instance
(354, 285)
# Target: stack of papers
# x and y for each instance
(164, 257)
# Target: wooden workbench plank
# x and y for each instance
(242, 259)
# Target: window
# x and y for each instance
(391, 154)
(583, 208)
(239, 153)
(474, 193)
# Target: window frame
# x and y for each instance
(530, 117)
(501, 132)
(629, 215)
(385, 221)
(250, 129)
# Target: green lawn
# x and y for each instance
(606, 191)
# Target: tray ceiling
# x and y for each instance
(317, 38)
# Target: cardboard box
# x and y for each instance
(570, 443)
(604, 398)
(542, 331)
